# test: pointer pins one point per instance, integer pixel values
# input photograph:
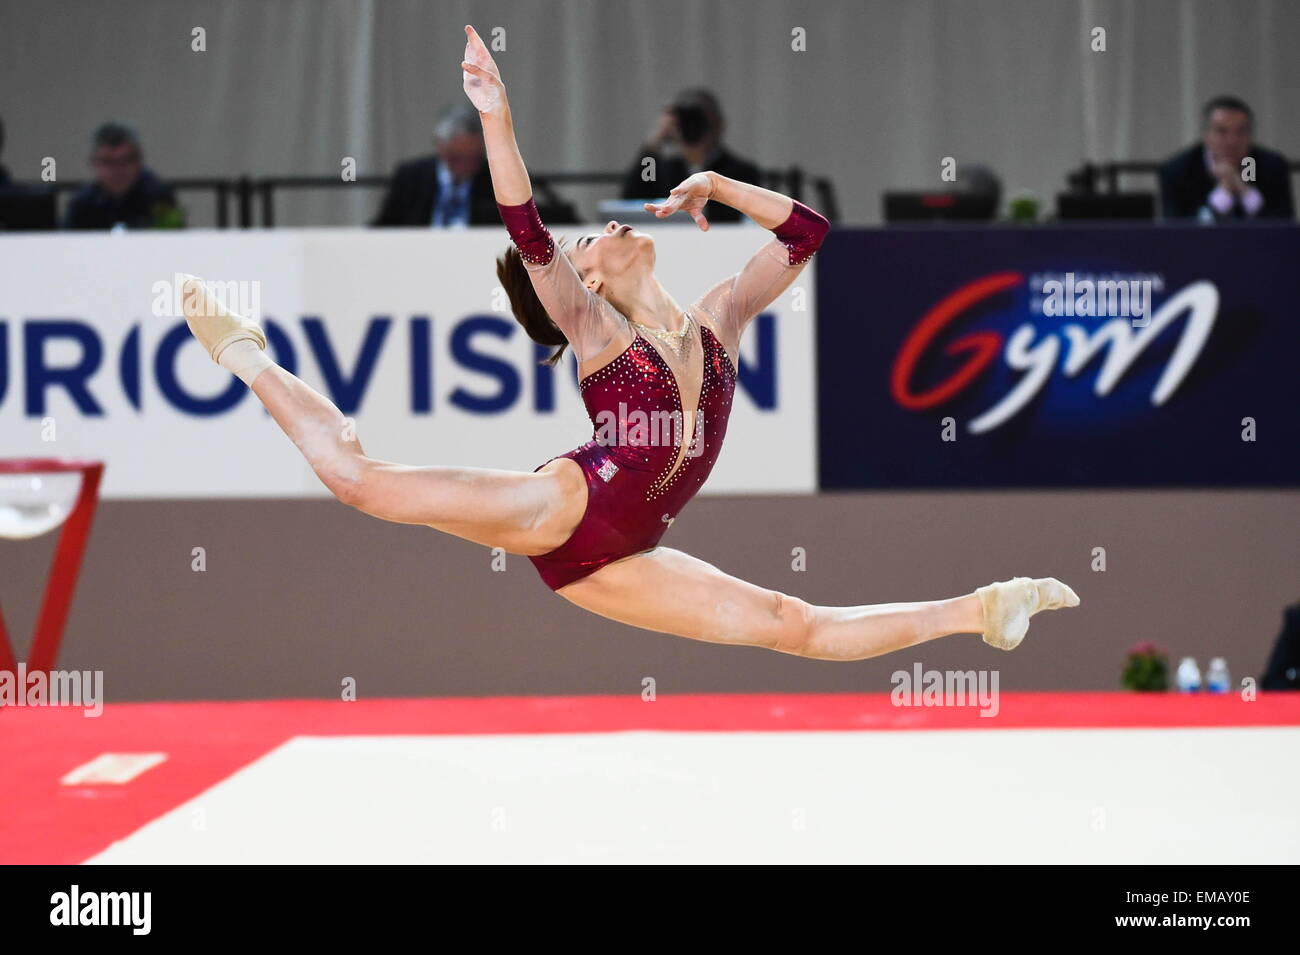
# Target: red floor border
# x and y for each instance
(44, 822)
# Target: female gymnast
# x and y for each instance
(590, 520)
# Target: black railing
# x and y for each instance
(222, 190)
(255, 199)
(1086, 178)
(267, 188)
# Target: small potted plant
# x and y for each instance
(1146, 669)
(1023, 208)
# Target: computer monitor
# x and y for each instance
(1114, 205)
(939, 206)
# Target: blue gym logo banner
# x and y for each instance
(1090, 356)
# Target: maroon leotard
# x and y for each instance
(646, 460)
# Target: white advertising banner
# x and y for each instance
(407, 331)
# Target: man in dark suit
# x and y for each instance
(1213, 181)
(125, 191)
(687, 139)
(451, 188)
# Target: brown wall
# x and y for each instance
(298, 595)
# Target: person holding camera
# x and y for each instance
(687, 139)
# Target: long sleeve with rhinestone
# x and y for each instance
(802, 233)
(734, 301)
(586, 320)
(527, 232)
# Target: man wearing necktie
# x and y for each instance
(452, 208)
(450, 189)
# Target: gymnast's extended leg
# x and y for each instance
(669, 591)
(521, 512)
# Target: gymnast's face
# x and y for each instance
(616, 253)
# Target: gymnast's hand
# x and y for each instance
(482, 79)
(689, 195)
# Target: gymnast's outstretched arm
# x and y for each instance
(587, 320)
(798, 233)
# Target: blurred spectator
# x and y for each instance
(4, 173)
(1283, 670)
(687, 139)
(125, 191)
(1205, 180)
(24, 208)
(979, 179)
(453, 187)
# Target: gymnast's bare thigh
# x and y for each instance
(568, 505)
(669, 591)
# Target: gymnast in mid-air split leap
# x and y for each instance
(590, 520)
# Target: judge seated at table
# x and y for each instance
(451, 188)
(1211, 181)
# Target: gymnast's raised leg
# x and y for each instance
(522, 513)
(672, 592)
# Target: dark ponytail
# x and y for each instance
(525, 304)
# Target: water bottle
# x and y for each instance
(1216, 677)
(1189, 676)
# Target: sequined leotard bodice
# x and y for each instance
(645, 459)
(647, 456)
